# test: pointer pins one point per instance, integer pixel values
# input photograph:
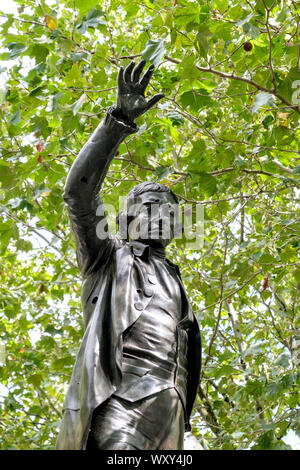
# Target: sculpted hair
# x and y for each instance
(146, 187)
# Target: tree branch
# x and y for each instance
(228, 76)
(208, 414)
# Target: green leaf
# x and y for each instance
(86, 5)
(4, 226)
(204, 13)
(53, 331)
(39, 52)
(7, 177)
(195, 99)
(78, 104)
(267, 121)
(254, 350)
(296, 170)
(35, 379)
(190, 71)
(283, 14)
(251, 29)
(36, 91)
(221, 5)
(275, 388)
(39, 125)
(283, 360)
(73, 76)
(265, 441)
(267, 258)
(91, 20)
(15, 49)
(245, 20)
(262, 99)
(154, 51)
(162, 172)
(202, 39)
(5, 26)
(206, 184)
(15, 118)
(224, 371)
(76, 57)
(176, 118)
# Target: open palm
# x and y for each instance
(131, 100)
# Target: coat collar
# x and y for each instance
(145, 251)
(139, 249)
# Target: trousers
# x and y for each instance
(153, 423)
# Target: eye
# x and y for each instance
(147, 207)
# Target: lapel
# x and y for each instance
(128, 299)
(188, 316)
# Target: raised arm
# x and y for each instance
(90, 167)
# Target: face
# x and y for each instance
(154, 218)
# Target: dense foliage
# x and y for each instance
(225, 136)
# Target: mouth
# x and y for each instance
(158, 234)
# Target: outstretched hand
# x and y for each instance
(131, 102)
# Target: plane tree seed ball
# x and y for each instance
(248, 46)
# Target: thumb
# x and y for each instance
(154, 100)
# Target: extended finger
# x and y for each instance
(137, 71)
(127, 73)
(154, 100)
(121, 79)
(147, 75)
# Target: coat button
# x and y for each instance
(139, 305)
(148, 291)
(152, 279)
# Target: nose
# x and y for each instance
(157, 214)
(161, 219)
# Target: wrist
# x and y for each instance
(118, 114)
(115, 126)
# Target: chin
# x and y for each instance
(162, 242)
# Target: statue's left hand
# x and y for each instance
(131, 102)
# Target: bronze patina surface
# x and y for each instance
(137, 370)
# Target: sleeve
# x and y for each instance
(81, 193)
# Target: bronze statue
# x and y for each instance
(137, 370)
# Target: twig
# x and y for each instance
(241, 79)
(220, 302)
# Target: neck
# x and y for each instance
(158, 251)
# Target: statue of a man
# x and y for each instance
(137, 370)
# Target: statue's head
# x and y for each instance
(150, 214)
